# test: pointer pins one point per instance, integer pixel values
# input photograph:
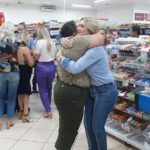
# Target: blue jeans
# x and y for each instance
(8, 90)
(98, 106)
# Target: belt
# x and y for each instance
(46, 62)
(100, 86)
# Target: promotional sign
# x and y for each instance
(141, 17)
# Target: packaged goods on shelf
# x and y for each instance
(131, 114)
(118, 116)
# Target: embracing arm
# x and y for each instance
(96, 40)
(75, 67)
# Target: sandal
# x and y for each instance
(48, 115)
(9, 124)
(26, 118)
(20, 114)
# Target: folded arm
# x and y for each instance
(96, 40)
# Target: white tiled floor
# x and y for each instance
(41, 134)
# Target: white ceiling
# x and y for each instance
(60, 3)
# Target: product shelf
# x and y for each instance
(131, 72)
(133, 138)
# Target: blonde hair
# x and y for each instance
(91, 24)
(7, 32)
(42, 33)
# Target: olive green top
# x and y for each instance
(79, 47)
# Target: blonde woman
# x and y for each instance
(9, 72)
(45, 70)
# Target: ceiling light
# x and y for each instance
(81, 6)
(48, 3)
(99, 1)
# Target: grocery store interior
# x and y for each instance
(127, 30)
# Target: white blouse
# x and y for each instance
(45, 55)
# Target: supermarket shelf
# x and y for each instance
(135, 139)
(128, 99)
(132, 76)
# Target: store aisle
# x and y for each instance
(41, 133)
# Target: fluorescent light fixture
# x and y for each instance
(81, 6)
(99, 1)
(46, 3)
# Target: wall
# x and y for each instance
(141, 8)
(19, 13)
(117, 15)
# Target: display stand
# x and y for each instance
(130, 120)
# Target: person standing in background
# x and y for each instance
(33, 41)
(26, 63)
(9, 72)
(32, 46)
(135, 31)
(115, 35)
(112, 47)
(22, 32)
(45, 53)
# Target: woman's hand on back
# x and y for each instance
(59, 56)
(66, 43)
